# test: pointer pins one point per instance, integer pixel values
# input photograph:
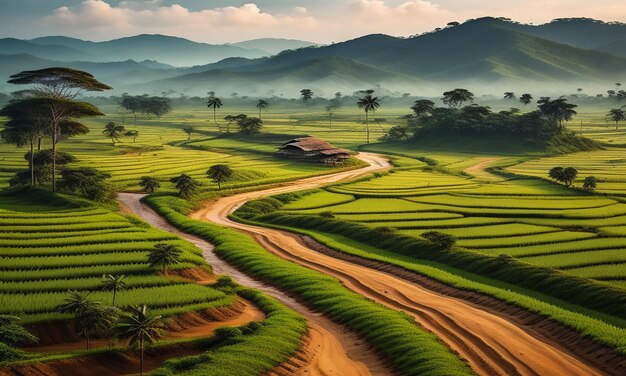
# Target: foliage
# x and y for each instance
(140, 329)
(146, 105)
(113, 283)
(219, 173)
(113, 131)
(149, 184)
(590, 183)
(186, 185)
(563, 175)
(13, 334)
(164, 255)
(249, 125)
(456, 97)
(87, 182)
(442, 240)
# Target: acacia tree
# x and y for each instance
(423, 107)
(140, 329)
(368, 103)
(189, 130)
(52, 96)
(558, 110)
(219, 173)
(215, 103)
(617, 115)
(249, 126)
(262, 105)
(456, 97)
(306, 95)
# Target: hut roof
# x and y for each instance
(308, 144)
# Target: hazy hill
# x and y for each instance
(11, 46)
(152, 47)
(323, 75)
(273, 45)
(617, 48)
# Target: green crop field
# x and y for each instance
(41, 259)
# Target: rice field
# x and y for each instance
(48, 248)
(533, 220)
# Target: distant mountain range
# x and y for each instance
(485, 51)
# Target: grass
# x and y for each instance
(386, 330)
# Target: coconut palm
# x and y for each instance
(215, 103)
(113, 283)
(509, 95)
(113, 131)
(617, 115)
(163, 255)
(79, 305)
(139, 329)
(368, 103)
(262, 105)
(133, 134)
(526, 98)
(149, 184)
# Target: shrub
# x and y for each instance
(444, 241)
(225, 332)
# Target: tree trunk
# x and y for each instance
(39, 144)
(219, 186)
(87, 337)
(54, 157)
(31, 163)
(215, 121)
(367, 126)
(141, 355)
(113, 303)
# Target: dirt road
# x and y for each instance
(491, 344)
(330, 349)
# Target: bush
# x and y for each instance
(442, 240)
(227, 332)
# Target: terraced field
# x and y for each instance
(609, 166)
(533, 220)
(48, 248)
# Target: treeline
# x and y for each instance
(144, 104)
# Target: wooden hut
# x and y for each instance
(313, 149)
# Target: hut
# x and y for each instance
(313, 149)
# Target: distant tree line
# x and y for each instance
(145, 105)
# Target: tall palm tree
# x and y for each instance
(368, 103)
(113, 283)
(164, 255)
(113, 131)
(617, 115)
(509, 95)
(140, 329)
(215, 103)
(306, 95)
(262, 105)
(525, 98)
(79, 305)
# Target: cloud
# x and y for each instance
(100, 19)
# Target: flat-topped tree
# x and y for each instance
(262, 105)
(52, 94)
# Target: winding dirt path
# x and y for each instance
(329, 349)
(491, 344)
(478, 170)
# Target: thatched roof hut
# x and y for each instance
(313, 148)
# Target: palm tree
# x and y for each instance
(149, 184)
(262, 105)
(100, 320)
(164, 255)
(457, 97)
(509, 95)
(423, 107)
(133, 134)
(215, 103)
(140, 329)
(113, 283)
(368, 103)
(113, 131)
(617, 115)
(79, 305)
(526, 98)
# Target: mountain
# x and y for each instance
(324, 75)
(122, 75)
(273, 45)
(617, 48)
(52, 51)
(151, 47)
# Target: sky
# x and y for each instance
(320, 21)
